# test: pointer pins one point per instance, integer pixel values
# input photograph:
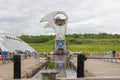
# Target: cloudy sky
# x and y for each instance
(85, 16)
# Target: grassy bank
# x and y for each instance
(80, 47)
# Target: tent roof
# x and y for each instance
(11, 43)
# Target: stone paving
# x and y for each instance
(101, 68)
(6, 70)
(93, 78)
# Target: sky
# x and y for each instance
(22, 17)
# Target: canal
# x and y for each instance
(61, 64)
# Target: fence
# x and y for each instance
(105, 56)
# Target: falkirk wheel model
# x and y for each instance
(58, 21)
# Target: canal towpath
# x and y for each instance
(6, 70)
(97, 68)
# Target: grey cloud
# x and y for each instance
(92, 16)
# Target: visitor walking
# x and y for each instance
(4, 54)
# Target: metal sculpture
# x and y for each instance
(58, 21)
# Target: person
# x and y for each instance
(0, 57)
(0, 54)
(26, 53)
(34, 54)
(29, 54)
(0, 50)
(4, 54)
(113, 53)
(118, 55)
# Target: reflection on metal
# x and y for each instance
(60, 61)
(11, 43)
(60, 64)
(58, 21)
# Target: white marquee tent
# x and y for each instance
(11, 43)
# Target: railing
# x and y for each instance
(80, 58)
(105, 56)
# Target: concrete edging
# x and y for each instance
(73, 65)
(31, 72)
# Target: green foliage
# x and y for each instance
(76, 42)
(36, 39)
(75, 38)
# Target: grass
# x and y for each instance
(41, 47)
(94, 48)
(80, 47)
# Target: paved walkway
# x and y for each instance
(102, 68)
(97, 68)
(6, 70)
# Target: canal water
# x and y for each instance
(59, 63)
